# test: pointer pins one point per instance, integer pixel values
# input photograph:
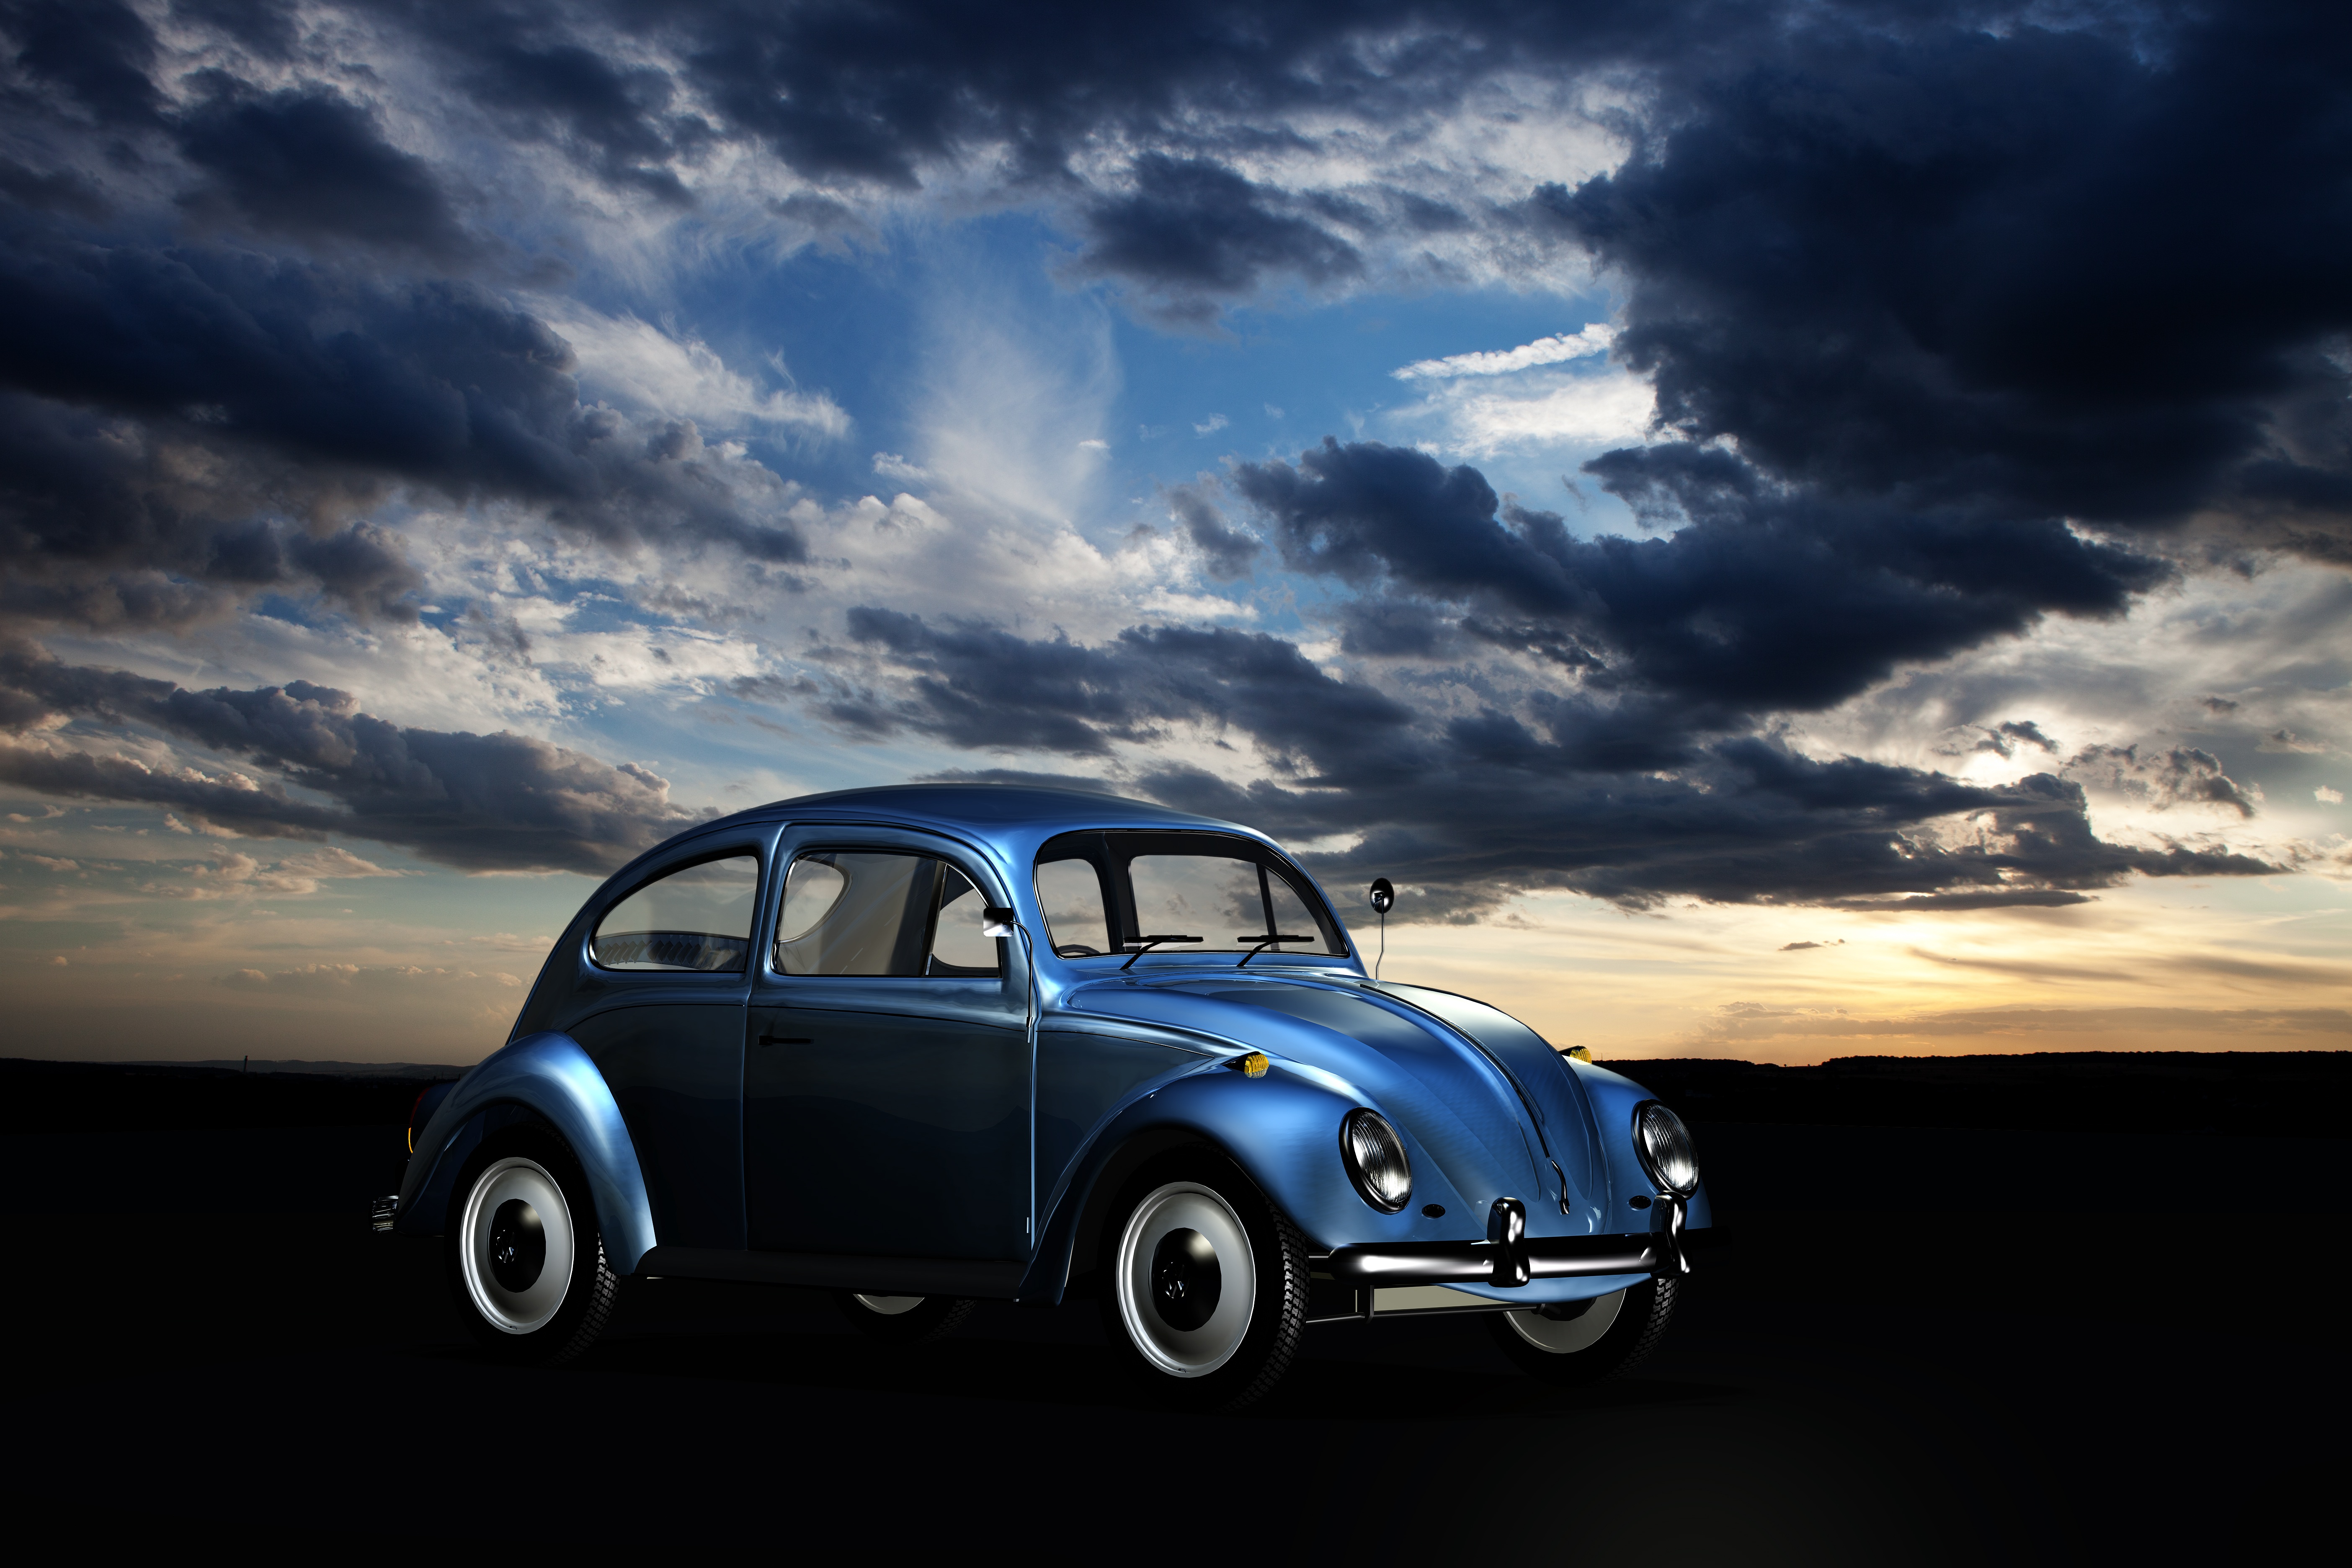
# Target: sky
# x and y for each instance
(1788, 530)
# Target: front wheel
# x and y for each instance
(1580, 1342)
(1207, 1293)
(525, 1257)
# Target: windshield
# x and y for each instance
(1113, 893)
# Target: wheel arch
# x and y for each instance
(1280, 1130)
(545, 1077)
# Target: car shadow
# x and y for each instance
(1071, 1376)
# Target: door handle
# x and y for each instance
(786, 1040)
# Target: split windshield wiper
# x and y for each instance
(1260, 944)
(1151, 942)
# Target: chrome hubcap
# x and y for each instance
(516, 1246)
(1186, 1284)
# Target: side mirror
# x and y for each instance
(998, 921)
(1383, 895)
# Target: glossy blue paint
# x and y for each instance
(1085, 1079)
(1126, 1059)
(1614, 1098)
(1458, 1110)
(547, 1074)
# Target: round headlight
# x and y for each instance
(1375, 1160)
(1665, 1145)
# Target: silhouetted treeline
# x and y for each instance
(74, 1097)
(2273, 1093)
(2260, 1093)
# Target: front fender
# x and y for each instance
(1614, 1098)
(549, 1075)
(1282, 1128)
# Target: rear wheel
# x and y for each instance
(1587, 1342)
(526, 1261)
(903, 1320)
(1207, 1293)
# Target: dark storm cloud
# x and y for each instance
(481, 802)
(1471, 809)
(2030, 733)
(267, 28)
(877, 92)
(2173, 776)
(1939, 304)
(1228, 551)
(98, 53)
(1191, 230)
(2038, 273)
(309, 165)
(614, 118)
(184, 422)
(177, 409)
(1767, 599)
(979, 686)
(884, 96)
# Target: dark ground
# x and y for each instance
(1925, 1342)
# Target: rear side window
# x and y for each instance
(877, 912)
(696, 918)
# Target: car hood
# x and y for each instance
(1480, 1092)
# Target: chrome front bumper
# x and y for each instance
(1509, 1256)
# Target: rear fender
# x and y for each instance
(549, 1077)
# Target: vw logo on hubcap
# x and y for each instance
(518, 1246)
(1185, 1280)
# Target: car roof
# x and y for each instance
(985, 811)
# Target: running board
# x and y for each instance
(982, 1279)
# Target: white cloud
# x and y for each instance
(2327, 796)
(891, 466)
(239, 874)
(636, 366)
(1006, 398)
(1557, 349)
(1482, 418)
(1211, 425)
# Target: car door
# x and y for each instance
(659, 1009)
(887, 1077)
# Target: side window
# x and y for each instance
(1077, 924)
(696, 918)
(958, 944)
(872, 912)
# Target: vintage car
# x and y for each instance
(932, 1045)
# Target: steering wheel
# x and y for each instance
(1076, 950)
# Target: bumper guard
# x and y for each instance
(1510, 1257)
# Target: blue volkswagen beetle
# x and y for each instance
(928, 1046)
